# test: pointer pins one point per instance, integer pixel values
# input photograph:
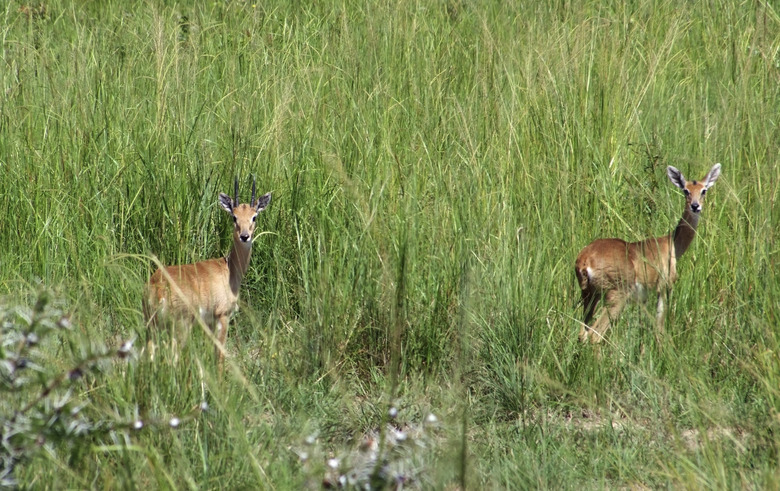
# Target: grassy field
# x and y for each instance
(435, 166)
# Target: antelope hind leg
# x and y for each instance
(590, 298)
(615, 301)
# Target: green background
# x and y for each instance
(435, 166)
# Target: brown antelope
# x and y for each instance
(618, 270)
(208, 289)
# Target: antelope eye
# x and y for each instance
(235, 219)
(254, 218)
(687, 193)
(703, 192)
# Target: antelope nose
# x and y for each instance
(696, 207)
(244, 237)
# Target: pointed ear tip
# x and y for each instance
(264, 200)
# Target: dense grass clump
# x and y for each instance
(436, 166)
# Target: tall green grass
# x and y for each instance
(435, 169)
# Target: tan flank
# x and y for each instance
(618, 271)
(208, 289)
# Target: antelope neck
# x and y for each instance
(685, 231)
(238, 263)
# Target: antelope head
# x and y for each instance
(694, 191)
(244, 215)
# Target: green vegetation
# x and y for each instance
(436, 166)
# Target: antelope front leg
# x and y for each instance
(222, 328)
(660, 316)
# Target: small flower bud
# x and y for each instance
(64, 322)
(125, 349)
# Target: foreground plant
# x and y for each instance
(40, 404)
(393, 458)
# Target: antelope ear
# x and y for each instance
(711, 176)
(226, 202)
(676, 177)
(263, 201)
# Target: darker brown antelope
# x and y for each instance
(616, 270)
(208, 289)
